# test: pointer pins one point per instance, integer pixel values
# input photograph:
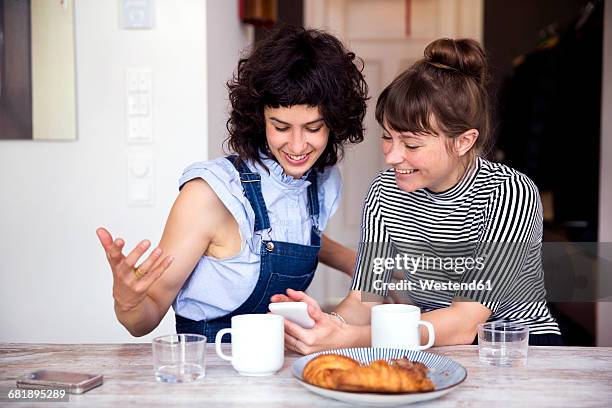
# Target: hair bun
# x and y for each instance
(465, 56)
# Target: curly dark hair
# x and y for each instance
(297, 66)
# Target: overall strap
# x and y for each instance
(251, 184)
(313, 197)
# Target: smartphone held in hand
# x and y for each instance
(296, 312)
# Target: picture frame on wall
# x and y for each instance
(15, 70)
(37, 70)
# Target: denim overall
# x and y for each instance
(283, 264)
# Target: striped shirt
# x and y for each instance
(481, 241)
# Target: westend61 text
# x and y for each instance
(432, 285)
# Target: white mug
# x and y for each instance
(397, 326)
(258, 344)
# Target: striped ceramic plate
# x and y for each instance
(444, 372)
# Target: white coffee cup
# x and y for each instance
(258, 344)
(397, 326)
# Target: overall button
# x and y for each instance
(270, 246)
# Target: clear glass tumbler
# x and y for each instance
(179, 358)
(503, 344)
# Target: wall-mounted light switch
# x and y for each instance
(139, 105)
(140, 180)
(136, 13)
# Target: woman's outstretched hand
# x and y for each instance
(328, 332)
(131, 283)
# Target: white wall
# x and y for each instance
(604, 309)
(227, 38)
(55, 285)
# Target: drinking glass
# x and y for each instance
(179, 358)
(503, 344)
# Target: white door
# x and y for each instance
(375, 30)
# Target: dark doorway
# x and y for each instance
(546, 66)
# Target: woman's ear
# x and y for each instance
(465, 141)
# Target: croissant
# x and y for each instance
(382, 377)
(413, 366)
(338, 372)
(323, 370)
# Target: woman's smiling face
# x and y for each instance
(296, 136)
(421, 160)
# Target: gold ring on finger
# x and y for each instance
(139, 274)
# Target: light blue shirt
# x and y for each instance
(217, 287)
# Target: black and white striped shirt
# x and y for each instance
(493, 216)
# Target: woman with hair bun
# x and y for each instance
(247, 226)
(441, 200)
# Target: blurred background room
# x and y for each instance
(104, 103)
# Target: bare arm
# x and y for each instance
(453, 325)
(196, 214)
(337, 256)
(456, 324)
(356, 332)
(354, 310)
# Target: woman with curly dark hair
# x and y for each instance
(248, 226)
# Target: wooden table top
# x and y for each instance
(554, 376)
